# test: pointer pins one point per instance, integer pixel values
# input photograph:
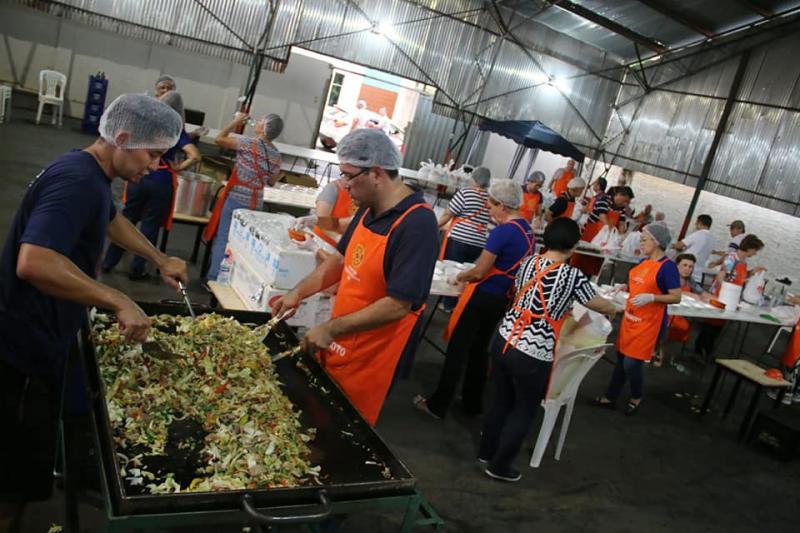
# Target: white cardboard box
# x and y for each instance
(258, 295)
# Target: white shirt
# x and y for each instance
(700, 244)
(735, 242)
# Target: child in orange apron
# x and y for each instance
(653, 284)
(482, 304)
(524, 348)
(532, 197)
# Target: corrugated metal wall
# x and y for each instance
(412, 39)
(669, 133)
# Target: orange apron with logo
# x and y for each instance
(679, 325)
(363, 363)
(560, 186)
(570, 207)
(638, 332)
(255, 191)
(343, 208)
(791, 355)
(469, 290)
(591, 265)
(467, 220)
(530, 205)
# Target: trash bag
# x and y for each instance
(630, 246)
(583, 328)
(607, 239)
(754, 288)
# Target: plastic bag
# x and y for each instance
(607, 239)
(754, 288)
(583, 328)
(630, 246)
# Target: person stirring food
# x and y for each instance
(48, 270)
(384, 265)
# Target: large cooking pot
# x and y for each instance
(194, 194)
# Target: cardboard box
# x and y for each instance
(259, 295)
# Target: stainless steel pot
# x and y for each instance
(195, 193)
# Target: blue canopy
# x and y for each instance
(533, 134)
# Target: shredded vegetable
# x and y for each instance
(224, 383)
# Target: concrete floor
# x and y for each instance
(667, 469)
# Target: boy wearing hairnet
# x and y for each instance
(49, 265)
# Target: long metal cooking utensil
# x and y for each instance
(270, 325)
(182, 287)
(288, 353)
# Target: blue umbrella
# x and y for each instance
(533, 134)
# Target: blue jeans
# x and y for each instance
(148, 203)
(630, 368)
(463, 253)
(221, 239)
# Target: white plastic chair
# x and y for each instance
(568, 373)
(51, 91)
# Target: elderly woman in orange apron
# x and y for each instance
(564, 205)
(652, 284)
(524, 347)
(467, 221)
(151, 202)
(384, 265)
(258, 165)
(482, 304)
(532, 197)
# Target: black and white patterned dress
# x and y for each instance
(561, 286)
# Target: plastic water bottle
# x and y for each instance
(226, 269)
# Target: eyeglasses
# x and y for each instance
(350, 177)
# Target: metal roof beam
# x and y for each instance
(681, 18)
(757, 8)
(610, 25)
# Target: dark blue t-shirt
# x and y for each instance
(411, 251)
(163, 175)
(67, 209)
(507, 242)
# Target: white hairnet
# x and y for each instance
(660, 234)
(507, 193)
(481, 176)
(168, 78)
(536, 176)
(150, 124)
(367, 147)
(175, 101)
(273, 126)
(576, 183)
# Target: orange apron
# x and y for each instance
(591, 265)
(343, 208)
(467, 220)
(167, 222)
(255, 191)
(560, 186)
(739, 277)
(678, 325)
(469, 290)
(792, 353)
(638, 332)
(363, 363)
(530, 205)
(569, 210)
(526, 316)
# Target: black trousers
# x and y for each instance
(707, 338)
(468, 348)
(519, 383)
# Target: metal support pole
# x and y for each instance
(712, 151)
(515, 161)
(532, 155)
(474, 146)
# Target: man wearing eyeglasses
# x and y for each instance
(384, 267)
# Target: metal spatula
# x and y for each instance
(270, 325)
(182, 288)
(155, 350)
(288, 353)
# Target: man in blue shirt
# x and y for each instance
(48, 268)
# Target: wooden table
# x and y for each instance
(225, 297)
(744, 370)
